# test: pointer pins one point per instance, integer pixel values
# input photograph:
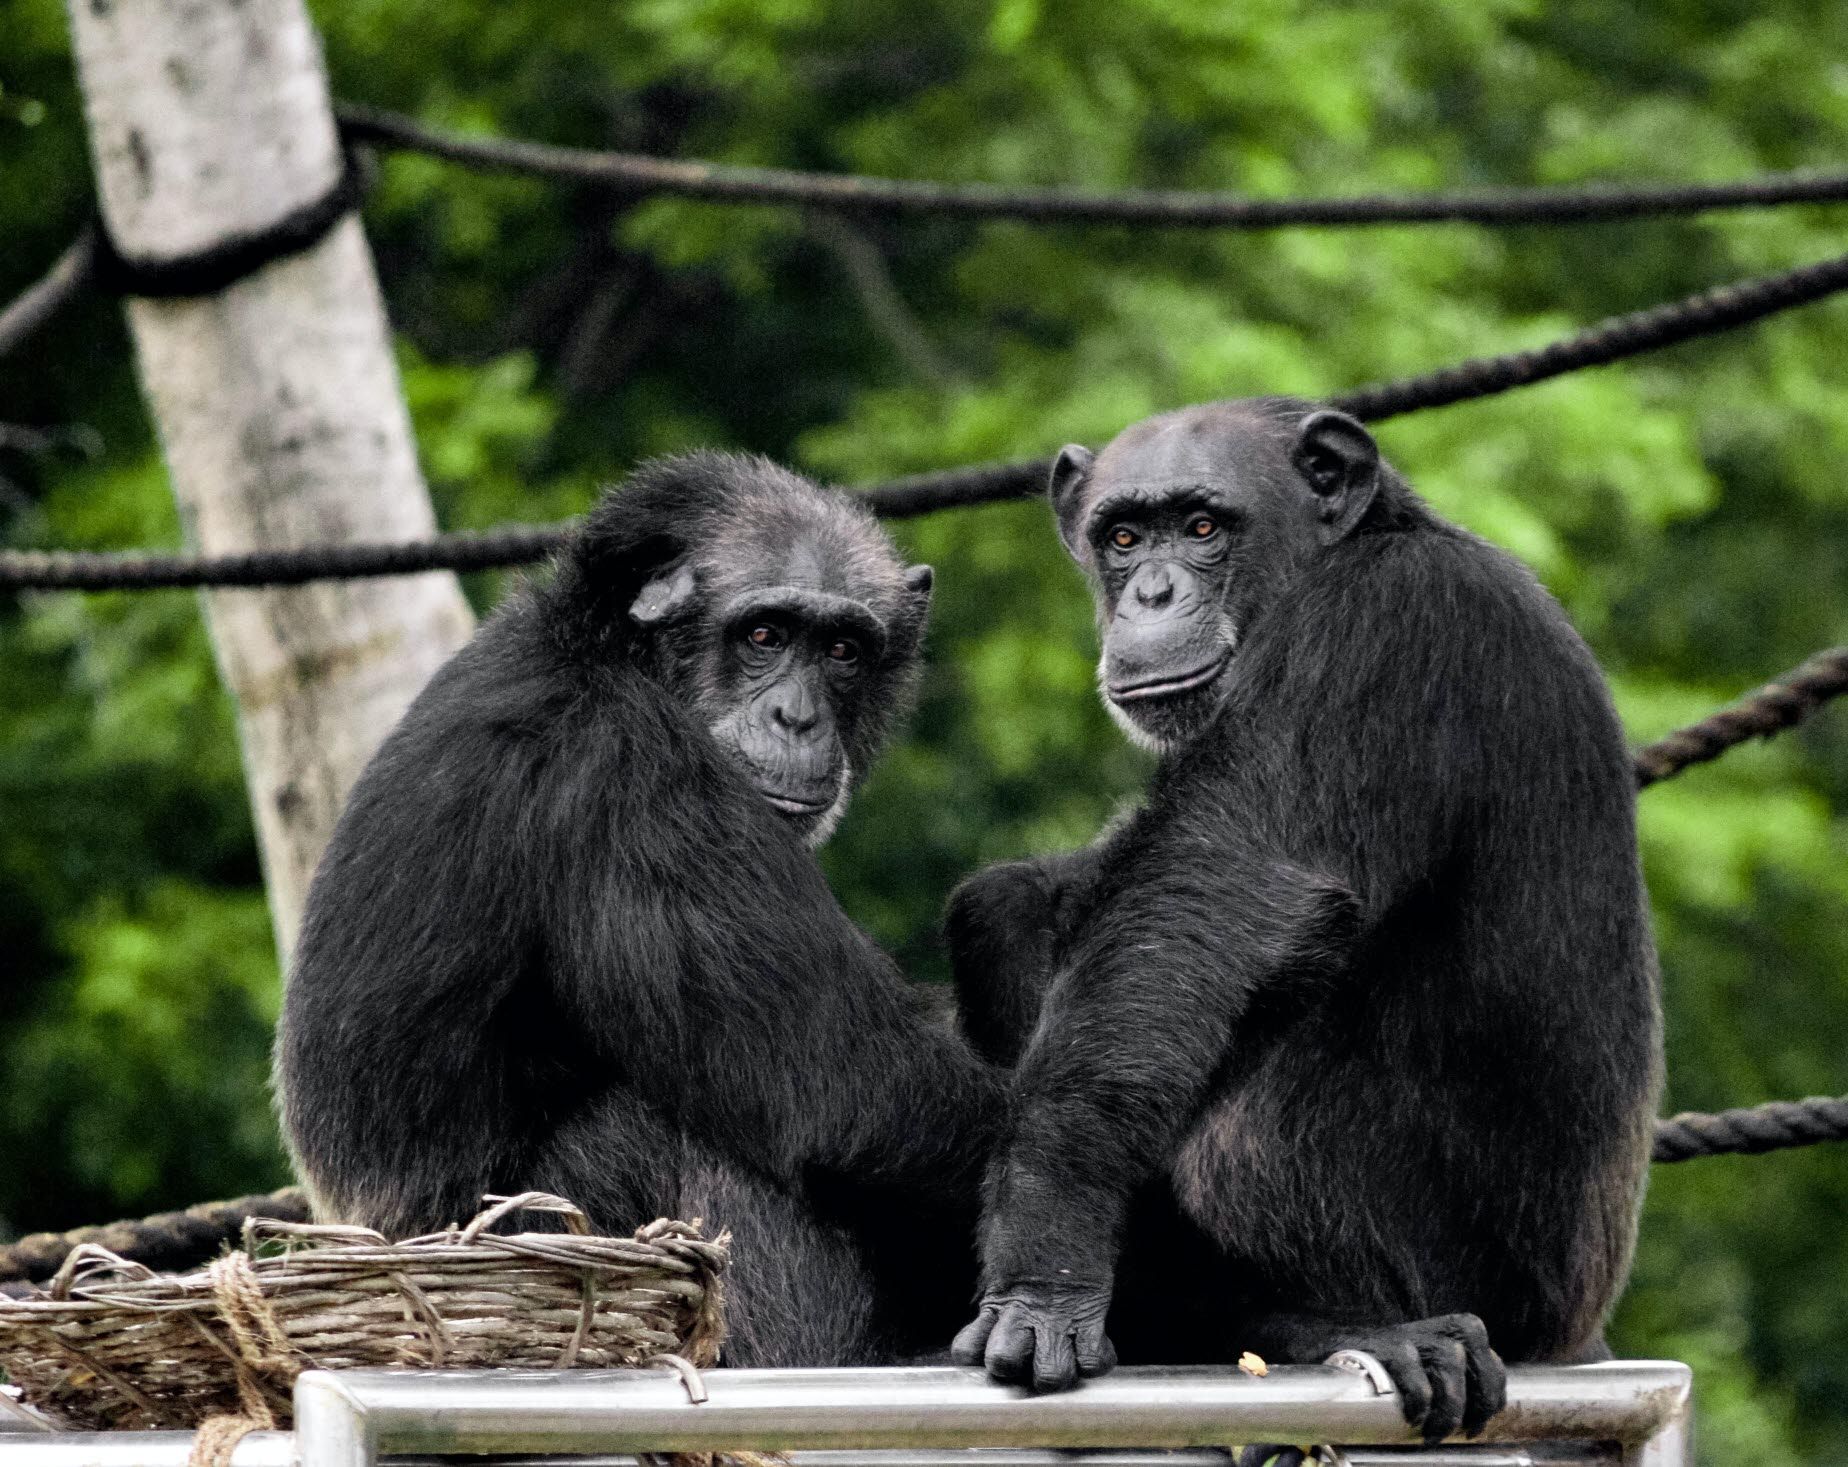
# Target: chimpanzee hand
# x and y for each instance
(1045, 1335)
(1448, 1378)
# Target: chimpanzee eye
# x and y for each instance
(766, 637)
(1203, 527)
(1123, 537)
(845, 651)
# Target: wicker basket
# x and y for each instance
(111, 1344)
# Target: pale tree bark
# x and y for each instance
(278, 401)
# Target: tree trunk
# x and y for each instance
(277, 401)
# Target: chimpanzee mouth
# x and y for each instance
(1169, 687)
(794, 808)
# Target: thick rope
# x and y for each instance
(215, 1442)
(639, 173)
(179, 1240)
(1774, 707)
(461, 550)
(1776, 1126)
(1611, 340)
(222, 263)
(168, 1240)
(93, 260)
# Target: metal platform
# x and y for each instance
(1620, 1414)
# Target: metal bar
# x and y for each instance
(350, 1419)
(140, 1449)
(277, 1449)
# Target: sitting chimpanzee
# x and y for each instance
(569, 933)
(1349, 1035)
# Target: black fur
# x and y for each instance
(562, 940)
(1351, 1033)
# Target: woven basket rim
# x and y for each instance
(108, 1337)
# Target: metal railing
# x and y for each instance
(1621, 1414)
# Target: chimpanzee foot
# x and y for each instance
(1448, 1379)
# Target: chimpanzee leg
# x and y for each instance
(618, 1159)
(799, 1289)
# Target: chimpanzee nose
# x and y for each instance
(793, 708)
(1155, 587)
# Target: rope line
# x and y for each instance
(177, 1240)
(1708, 313)
(641, 173)
(1773, 708)
(92, 259)
(218, 265)
(459, 550)
(165, 1240)
(215, 267)
(1722, 309)
(1753, 1130)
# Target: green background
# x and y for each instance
(1690, 508)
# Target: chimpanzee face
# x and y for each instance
(794, 633)
(1190, 525)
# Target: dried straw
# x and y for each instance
(110, 1344)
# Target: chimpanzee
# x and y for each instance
(569, 933)
(1349, 1035)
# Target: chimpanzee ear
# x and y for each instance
(665, 598)
(908, 632)
(1340, 463)
(918, 581)
(1069, 476)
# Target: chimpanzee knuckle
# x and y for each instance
(1468, 1328)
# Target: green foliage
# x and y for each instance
(1690, 509)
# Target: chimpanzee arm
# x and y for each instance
(1138, 1022)
(1007, 927)
(719, 980)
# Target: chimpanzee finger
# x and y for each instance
(1399, 1357)
(971, 1340)
(1055, 1366)
(1096, 1355)
(1444, 1363)
(1487, 1381)
(1010, 1347)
